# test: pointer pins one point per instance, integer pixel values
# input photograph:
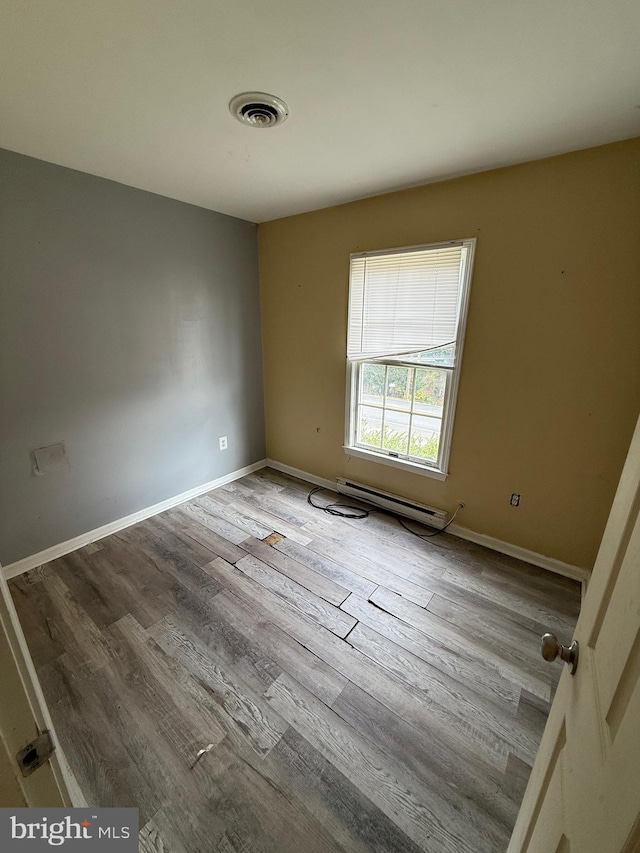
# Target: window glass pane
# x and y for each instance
(429, 392)
(425, 437)
(396, 432)
(369, 426)
(373, 384)
(446, 356)
(399, 386)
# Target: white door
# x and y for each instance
(23, 715)
(584, 792)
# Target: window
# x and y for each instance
(407, 311)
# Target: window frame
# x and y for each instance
(440, 469)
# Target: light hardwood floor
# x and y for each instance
(362, 689)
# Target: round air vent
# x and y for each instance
(257, 109)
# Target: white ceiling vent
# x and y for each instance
(257, 109)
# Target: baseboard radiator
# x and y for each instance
(394, 503)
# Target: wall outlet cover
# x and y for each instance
(223, 442)
(53, 457)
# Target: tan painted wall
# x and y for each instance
(550, 382)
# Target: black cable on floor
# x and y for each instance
(350, 511)
(341, 510)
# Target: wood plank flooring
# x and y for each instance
(358, 689)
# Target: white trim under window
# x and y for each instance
(407, 318)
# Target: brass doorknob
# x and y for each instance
(552, 649)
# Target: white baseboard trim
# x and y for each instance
(28, 563)
(549, 563)
(302, 475)
(532, 557)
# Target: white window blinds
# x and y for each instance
(404, 301)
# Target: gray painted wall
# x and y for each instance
(130, 330)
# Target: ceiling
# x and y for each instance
(383, 94)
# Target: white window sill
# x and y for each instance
(414, 468)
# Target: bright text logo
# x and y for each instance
(86, 830)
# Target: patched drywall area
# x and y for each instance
(550, 387)
(130, 343)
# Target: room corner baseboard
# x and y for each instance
(28, 563)
(532, 557)
(52, 553)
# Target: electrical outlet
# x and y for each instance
(515, 499)
(223, 442)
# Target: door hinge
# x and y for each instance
(35, 754)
